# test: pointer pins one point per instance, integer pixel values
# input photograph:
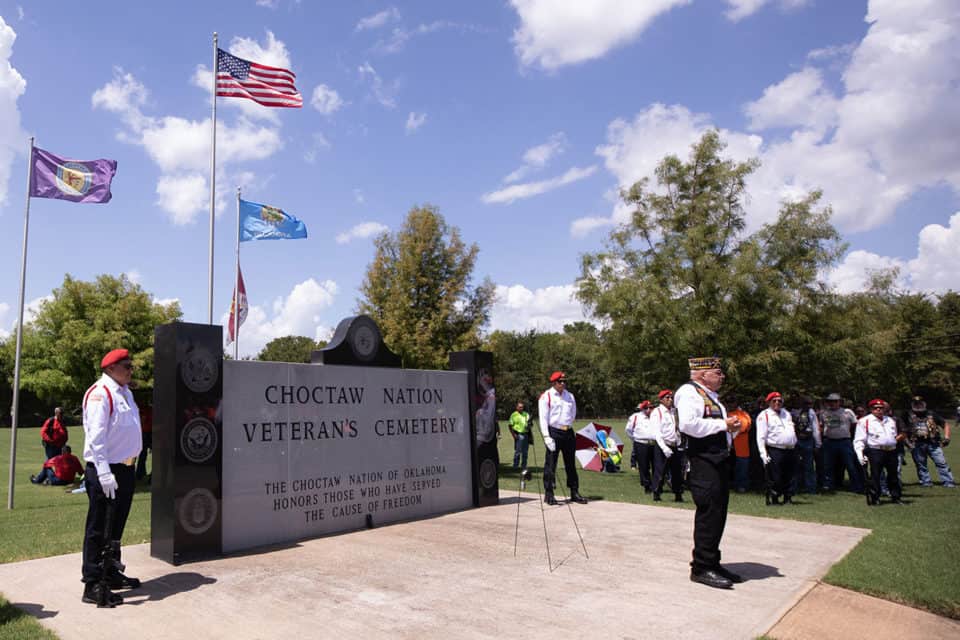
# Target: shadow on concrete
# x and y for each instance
(35, 610)
(164, 586)
(516, 499)
(754, 570)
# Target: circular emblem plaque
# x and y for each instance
(198, 440)
(488, 474)
(199, 370)
(198, 511)
(364, 339)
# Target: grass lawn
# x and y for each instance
(909, 557)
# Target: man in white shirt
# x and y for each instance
(777, 442)
(111, 425)
(667, 452)
(638, 430)
(703, 420)
(875, 442)
(558, 410)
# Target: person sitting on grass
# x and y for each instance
(59, 470)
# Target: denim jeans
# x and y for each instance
(47, 474)
(843, 449)
(520, 451)
(742, 474)
(805, 476)
(921, 451)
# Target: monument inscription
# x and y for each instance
(311, 450)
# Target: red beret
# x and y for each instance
(665, 392)
(876, 402)
(644, 404)
(773, 394)
(114, 357)
(557, 375)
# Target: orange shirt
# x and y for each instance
(741, 444)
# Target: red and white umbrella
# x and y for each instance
(589, 445)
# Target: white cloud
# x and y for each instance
(378, 20)
(382, 93)
(298, 314)
(181, 147)
(325, 100)
(361, 231)
(8, 314)
(4, 310)
(556, 33)
(165, 301)
(13, 140)
(800, 99)
(517, 308)
(538, 156)
(269, 4)
(399, 36)
(184, 197)
(936, 267)
(134, 276)
(740, 9)
(415, 121)
(530, 189)
(20, 12)
(888, 133)
(318, 142)
(358, 196)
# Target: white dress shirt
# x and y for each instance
(664, 428)
(111, 434)
(556, 409)
(775, 428)
(638, 427)
(690, 412)
(874, 433)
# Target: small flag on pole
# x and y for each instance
(269, 86)
(263, 222)
(73, 180)
(233, 307)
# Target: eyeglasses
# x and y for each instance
(778, 400)
(561, 382)
(127, 365)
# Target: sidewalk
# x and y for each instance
(457, 576)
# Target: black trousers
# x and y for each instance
(660, 465)
(93, 537)
(645, 462)
(783, 464)
(710, 487)
(566, 445)
(879, 459)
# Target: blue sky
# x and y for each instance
(519, 119)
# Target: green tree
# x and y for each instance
(418, 289)
(681, 277)
(81, 321)
(289, 349)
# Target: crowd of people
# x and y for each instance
(694, 438)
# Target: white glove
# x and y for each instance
(766, 459)
(863, 460)
(551, 445)
(667, 452)
(108, 482)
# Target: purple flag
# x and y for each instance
(73, 180)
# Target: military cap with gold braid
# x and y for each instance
(703, 364)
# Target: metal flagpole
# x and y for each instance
(236, 290)
(213, 181)
(15, 409)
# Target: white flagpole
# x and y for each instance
(213, 180)
(15, 409)
(236, 290)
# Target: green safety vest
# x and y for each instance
(518, 421)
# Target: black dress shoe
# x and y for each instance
(678, 498)
(549, 499)
(711, 579)
(96, 593)
(656, 497)
(735, 578)
(120, 581)
(579, 499)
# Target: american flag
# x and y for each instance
(269, 86)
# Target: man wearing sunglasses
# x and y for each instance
(111, 425)
(558, 410)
